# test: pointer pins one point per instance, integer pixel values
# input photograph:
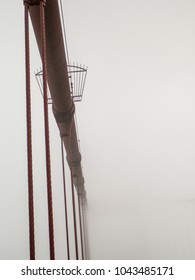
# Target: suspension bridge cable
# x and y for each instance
(85, 233)
(81, 227)
(65, 202)
(72, 185)
(29, 137)
(64, 31)
(73, 204)
(46, 121)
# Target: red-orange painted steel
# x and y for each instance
(29, 138)
(46, 120)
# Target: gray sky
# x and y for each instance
(136, 129)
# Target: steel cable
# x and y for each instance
(81, 226)
(29, 137)
(73, 203)
(65, 202)
(46, 120)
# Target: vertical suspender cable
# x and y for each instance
(85, 233)
(65, 203)
(29, 137)
(47, 144)
(73, 204)
(81, 227)
(64, 31)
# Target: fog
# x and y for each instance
(136, 129)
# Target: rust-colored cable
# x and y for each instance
(81, 226)
(65, 203)
(46, 119)
(73, 204)
(29, 137)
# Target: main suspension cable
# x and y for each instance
(29, 137)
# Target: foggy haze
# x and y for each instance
(136, 129)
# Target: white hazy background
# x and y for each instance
(136, 129)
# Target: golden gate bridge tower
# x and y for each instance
(61, 84)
